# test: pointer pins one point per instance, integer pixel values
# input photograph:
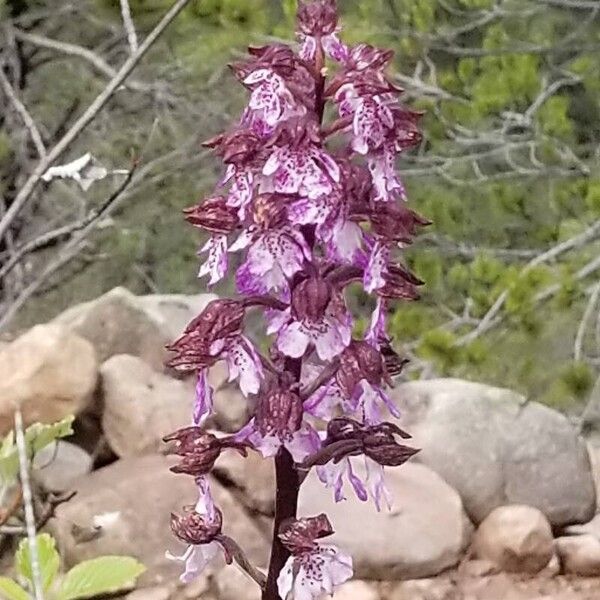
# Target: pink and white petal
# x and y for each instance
(204, 401)
(335, 48)
(327, 163)
(347, 240)
(389, 403)
(376, 331)
(304, 442)
(285, 581)
(244, 363)
(377, 267)
(359, 487)
(276, 320)
(293, 340)
(273, 163)
(257, 76)
(268, 445)
(332, 475)
(216, 264)
(376, 484)
(324, 402)
(340, 566)
(243, 241)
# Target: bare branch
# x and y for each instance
(88, 116)
(23, 113)
(587, 315)
(129, 26)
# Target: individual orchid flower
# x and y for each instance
(279, 423)
(317, 317)
(318, 26)
(214, 335)
(313, 568)
(199, 527)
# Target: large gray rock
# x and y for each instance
(49, 373)
(496, 448)
(141, 406)
(121, 323)
(516, 538)
(125, 509)
(425, 532)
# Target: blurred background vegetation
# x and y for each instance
(507, 171)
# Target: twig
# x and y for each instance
(36, 579)
(24, 114)
(65, 255)
(88, 116)
(241, 559)
(129, 26)
(587, 315)
(49, 237)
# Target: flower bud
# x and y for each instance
(317, 17)
(214, 215)
(220, 318)
(395, 221)
(196, 529)
(279, 413)
(400, 283)
(199, 451)
(236, 147)
(298, 535)
(310, 299)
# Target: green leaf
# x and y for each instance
(37, 436)
(10, 590)
(102, 575)
(48, 556)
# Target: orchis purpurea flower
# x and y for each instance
(313, 568)
(200, 528)
(279, 421)
(309, 203)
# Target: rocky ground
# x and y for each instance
(500, 503)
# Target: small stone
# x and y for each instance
(233, 584)
(424, 589)
(478, 568)
(552, 569)
(157, 593)
(49, 373)
(579, 555)
(58, 466)
(515, 538)
(357, 590)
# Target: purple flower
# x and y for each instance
(273, 258)
(216, 263)
(271, 98)
(200, 528)
(279, 422)
(216, 335)
(313, 569)
(204, 399)
(333, 475)
(319, 317)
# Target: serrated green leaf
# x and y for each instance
(48, 557)
(102, 575)
(10, 590)
(37, 436)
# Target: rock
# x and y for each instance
(424, 533)
(516, 538)
(141, 406)
(425, 589)
(121, 323)
(155, 593)
(251, 479)
(59, 466)
(173, 312)
(594, 454)
(478, 568)
(125, 509)
(552, 569)
(49, 372)
(592, 527)
(357, 590)
(233, 584)
(495, 448)
(579, 555)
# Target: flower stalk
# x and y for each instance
(312, 201)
